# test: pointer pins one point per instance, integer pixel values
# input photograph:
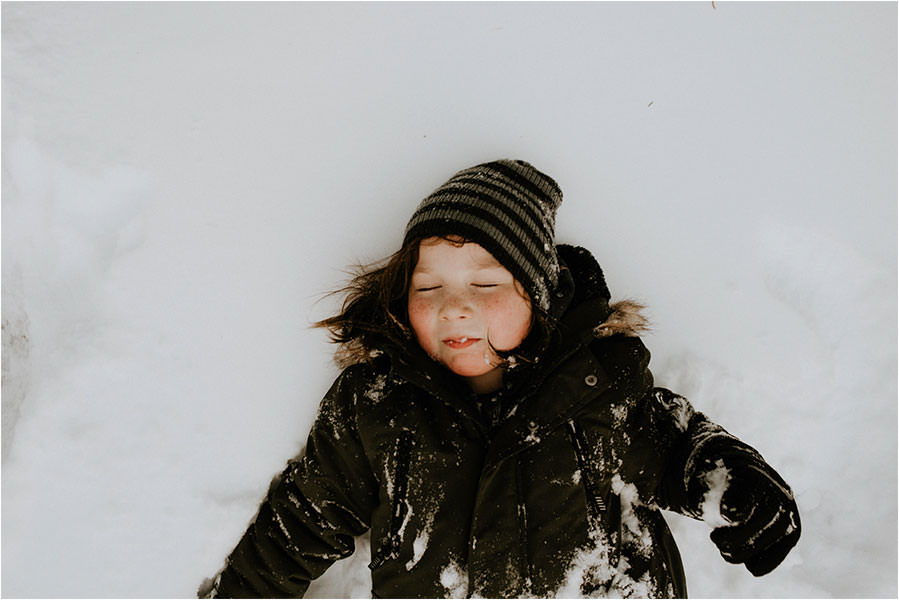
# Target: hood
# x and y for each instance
(587, 306)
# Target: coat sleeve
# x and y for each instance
(312, 512)
(710, 474)
(692, 449)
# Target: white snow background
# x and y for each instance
(182, 182)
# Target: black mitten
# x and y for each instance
(764, 519)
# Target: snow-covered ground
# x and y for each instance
(182, 182)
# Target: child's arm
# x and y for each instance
(715, 476)
(312, 512)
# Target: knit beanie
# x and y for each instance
(509, 208)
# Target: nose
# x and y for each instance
(455, 306)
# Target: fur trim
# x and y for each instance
(625, 318)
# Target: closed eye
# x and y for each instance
(427, 289)
(485, 285)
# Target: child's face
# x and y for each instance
(462, 301)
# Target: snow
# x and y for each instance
(717, 480)
(375, 392)
(632, 530)
(588, 566)
(420, 544)
(455, 580)
(182, 182)
(532, 437)
(592, 566)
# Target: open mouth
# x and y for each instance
(460, 343)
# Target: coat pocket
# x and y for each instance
(589, 477)
(390, 545)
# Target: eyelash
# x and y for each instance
(477, 285)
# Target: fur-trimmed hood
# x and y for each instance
(622, 317)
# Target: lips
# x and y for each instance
(460, 343)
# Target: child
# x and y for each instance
(497, 428)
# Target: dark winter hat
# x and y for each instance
(509, 208)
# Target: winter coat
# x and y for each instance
(559, 494)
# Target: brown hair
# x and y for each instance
(375, 310)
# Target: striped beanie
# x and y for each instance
(509, 208)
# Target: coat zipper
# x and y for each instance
(595, 504)
(402, 457)
(526, 567)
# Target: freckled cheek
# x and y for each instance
(421, 317)
(510, 322)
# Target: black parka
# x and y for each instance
(561, 497)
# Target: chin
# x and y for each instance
(471, 367)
